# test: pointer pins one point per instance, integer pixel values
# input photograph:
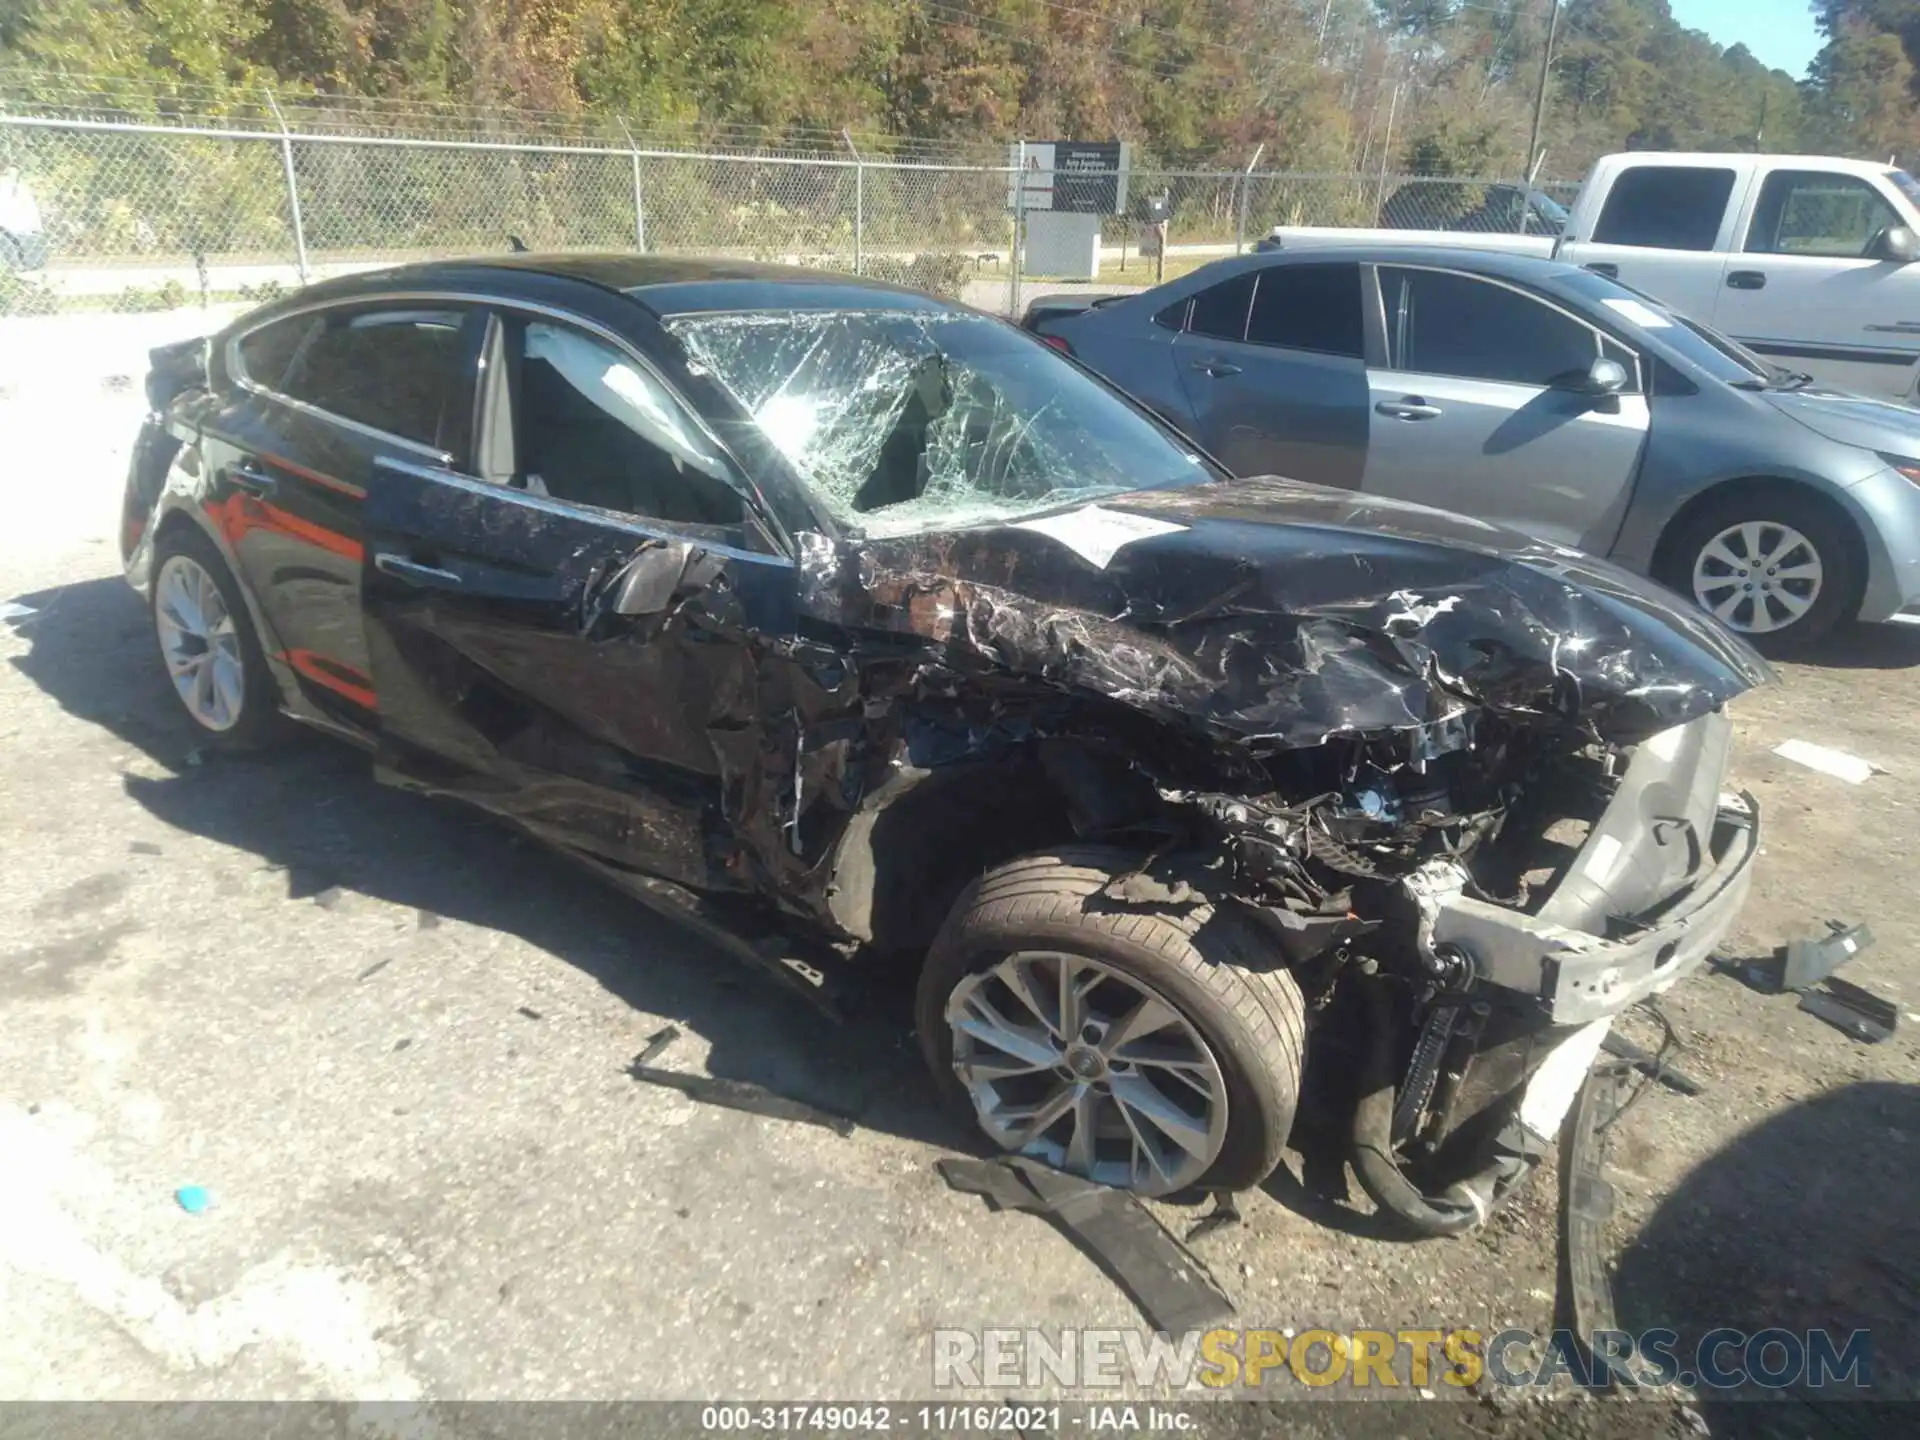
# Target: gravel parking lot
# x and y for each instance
(389, 1038)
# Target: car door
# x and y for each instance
(567, 635)
(1809, 290)
(1472, 413)
(1273, 362)
(320, 398)
(1665, 229)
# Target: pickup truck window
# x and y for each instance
(1309, 307)
(1708, 349)
(1440, 323)
(1665, 207)
(1815, 212)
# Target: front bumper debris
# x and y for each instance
(1591, 950)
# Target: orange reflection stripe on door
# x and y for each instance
(239, 514)
(334, 676)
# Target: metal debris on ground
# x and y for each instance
(1848, 1008)
(1808, 962)
(743, 1095)
(1172, 1288)
(1837, 763)
(1654, 1067)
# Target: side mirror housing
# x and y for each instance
(1601, 379)
(1900, 245)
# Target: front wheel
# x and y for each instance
(1150, 1049)
(1774, 566)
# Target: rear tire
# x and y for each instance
(1774, 565)
(213, 659)
(1237, 1026)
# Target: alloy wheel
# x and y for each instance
(1090, 1070)
(1758, 577)
(199, 642)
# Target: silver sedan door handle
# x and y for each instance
(1216, 368)
(413, 572)
(1411, 408)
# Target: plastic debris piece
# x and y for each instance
(1837, 763)
(1172, 1288)
(657, 1042)
(1808, 962)
(1851, 1010)
(193, 1198)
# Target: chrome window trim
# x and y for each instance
(651, 530)
(1381, 266)
(492, 302)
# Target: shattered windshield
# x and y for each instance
(902, 421)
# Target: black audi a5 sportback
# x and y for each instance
(863, 630)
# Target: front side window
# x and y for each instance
(594, 427)
(1309, 307)
(1811, 212)
(1439, 323)
(1665, 207)
(901, 421)
(397, 371)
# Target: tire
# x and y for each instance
(1206, 964)
(1691, 563)
(248, 715)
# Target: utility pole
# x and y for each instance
(1546, 73)
(1325, 16)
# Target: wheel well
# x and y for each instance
(172, 522)
(1664, 556)
(895, 882)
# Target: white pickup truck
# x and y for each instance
(1806, 260)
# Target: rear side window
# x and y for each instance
(397, 371)
(1220, 311)
(1308, 307)
(268, 351)
(1440, 323)
(1665, 207)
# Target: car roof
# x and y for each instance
(664, 284)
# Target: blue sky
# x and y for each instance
(1780, 33)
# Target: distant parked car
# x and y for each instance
(23, 241)
(1539, 396)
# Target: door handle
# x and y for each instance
(1216, 368)
(1411, 408)
(1612, 272)
(1746, 280)
(254, 482)
(414, 572)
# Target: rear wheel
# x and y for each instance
(1152, 1050)
(207, 643)
(1775, 566)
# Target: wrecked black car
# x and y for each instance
(861, 631)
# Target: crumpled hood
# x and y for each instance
(1878, 425)
(1278, 614)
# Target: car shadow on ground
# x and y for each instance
(1867, 647)
(1806, 1222)
(312, 808)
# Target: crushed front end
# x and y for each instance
(1469, 905)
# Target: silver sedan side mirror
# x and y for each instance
(1607, 377)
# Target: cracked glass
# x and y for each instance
(902, 422)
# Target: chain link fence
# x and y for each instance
(123, 215)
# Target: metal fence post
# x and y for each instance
(1019, 224)
(859, 203)
(1246, 184)
(293, 186)
(639, 204)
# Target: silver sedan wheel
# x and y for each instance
(1758, 576)
(199, 643)
(1085, 1067)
